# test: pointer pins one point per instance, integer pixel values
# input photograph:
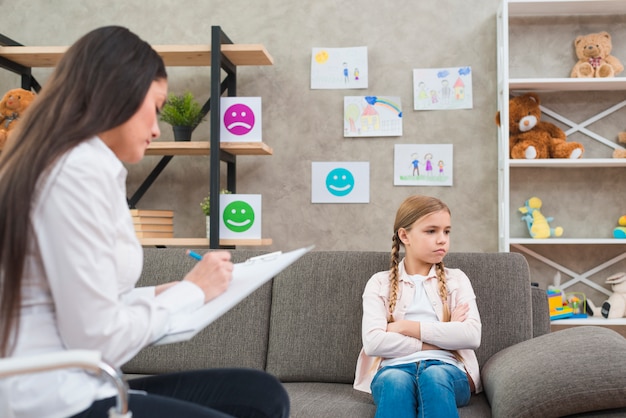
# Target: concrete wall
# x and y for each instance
(304, 125)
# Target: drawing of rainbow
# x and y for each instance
(373, 100)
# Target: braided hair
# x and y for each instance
(412, 209)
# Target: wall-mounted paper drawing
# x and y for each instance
(372, 116)
(422, 165)
(340, 182)
(442, 88)
(339, 68)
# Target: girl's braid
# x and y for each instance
(443, 291)
(393, 275)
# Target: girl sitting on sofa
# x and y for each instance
(420, 322)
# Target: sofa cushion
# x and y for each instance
(315, 326)
(566, 372)
(236, 339)
(501, 282)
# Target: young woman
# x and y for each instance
(69, 257)
(420, 322)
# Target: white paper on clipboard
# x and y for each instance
(247, 277)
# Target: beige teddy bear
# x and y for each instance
(594, 57)
(620, 152)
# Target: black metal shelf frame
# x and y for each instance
(219, 87)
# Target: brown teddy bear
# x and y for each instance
(12, 107)
(530, 138)
(620, 152)
(594, 57)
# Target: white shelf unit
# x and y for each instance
(511, 13)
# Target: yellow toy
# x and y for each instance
(538, 225)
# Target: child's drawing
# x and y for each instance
(372, 116)
(422, 165)
(442, 88)
(339, 68)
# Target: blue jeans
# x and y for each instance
(427, 389)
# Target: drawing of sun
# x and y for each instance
(321, 57)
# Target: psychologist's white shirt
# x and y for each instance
(78, 290)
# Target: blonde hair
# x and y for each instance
(414, 208)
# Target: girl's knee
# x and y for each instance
(392, 378)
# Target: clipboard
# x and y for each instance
(247, 277)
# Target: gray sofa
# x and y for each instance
(304, 328)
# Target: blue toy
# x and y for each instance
(620, 231)
(538, 225)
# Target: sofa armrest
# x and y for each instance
(541, 311)
(572, 371)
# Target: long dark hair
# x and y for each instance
(99, 83)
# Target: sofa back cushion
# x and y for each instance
(237, 339)
(315, 324)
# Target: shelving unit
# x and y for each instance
(21, 59)
(514, 12)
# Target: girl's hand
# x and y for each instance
(405, 327)
(212, 274)
(459, 313)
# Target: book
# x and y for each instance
(152, 213)
(143, 227)
(247, 277)
(154, 234)
(142, 220)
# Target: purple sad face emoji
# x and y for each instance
(239, 119)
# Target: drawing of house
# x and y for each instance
(459, 89)
(370, 119)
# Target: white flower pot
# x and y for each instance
(208, 227)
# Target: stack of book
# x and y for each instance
(153, 223)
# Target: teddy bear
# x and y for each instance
(615, 305)
(532, 138)
(594, 57)
(12, 107)
(620, 152)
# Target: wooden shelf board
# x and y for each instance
(204, 148)
(173, 55)
(201, 242)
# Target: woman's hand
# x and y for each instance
(459, 313)
(212, 274)
(163, 287)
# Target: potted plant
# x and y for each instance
(184, 113)
(205, 205)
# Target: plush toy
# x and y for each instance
(615, 305)
(538, 225)
(620, 152)
(531, 138)
(12, 107)
(620, 231)
(594, 57)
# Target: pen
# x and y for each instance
(195, 255)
